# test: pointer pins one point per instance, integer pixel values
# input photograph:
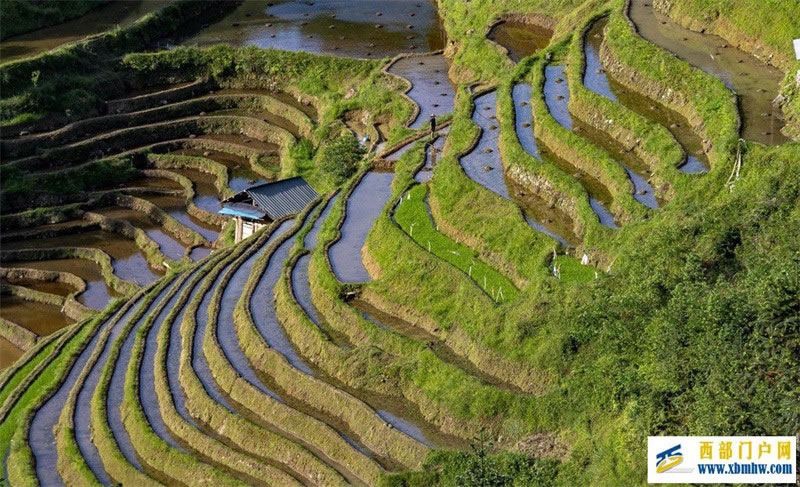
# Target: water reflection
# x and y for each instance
(354, 28)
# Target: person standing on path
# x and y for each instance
(433, 126)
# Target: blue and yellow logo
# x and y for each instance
(668, 459)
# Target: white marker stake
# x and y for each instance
(797, 49)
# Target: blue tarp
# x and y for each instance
(243, 210)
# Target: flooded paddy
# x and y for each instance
(263, 310)
(8, 353)
(400, 413)
(199, 364)
(240, 173)
(128, 261)
(206, 196)
(300, 282)
(756, 83)
(432, 154)
(264, 115)
(118, 13)
(169, 245)
(438, 347)
(363, 208)
(555, 222)
(176, 208)
(633, 166)
(152, 182)
(556, 96)
(225, 330)
(353, 28)
(692, 144)
(431, 90)
(42, 436)
(42, 319)
(245, 141)
(147, 380)
(396, 155)
(594, 76)
(116, 387)
(97, 293)
(483, 164)
(281, 96)
(50, 287)
(82, 415)
(596, 79)
(521, 39)
(149, 90)
(523, 118)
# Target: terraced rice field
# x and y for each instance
(435, 306)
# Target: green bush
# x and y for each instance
(478, 468)
(341, 157)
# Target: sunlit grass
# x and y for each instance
(413, 217)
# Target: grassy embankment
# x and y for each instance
(713, 272)
(764, 29)
(44, 380)
(33, 87)
(28, 16)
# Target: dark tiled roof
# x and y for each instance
(281, 198)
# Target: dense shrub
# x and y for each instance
(341, 157)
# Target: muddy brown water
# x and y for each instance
(523, 121)
(431, 90)
(692, 144)
(243, 140)
(240, 173)
(281, 96)
(128, 262)
(50, 287)
(264, 115)
(97, 293)
(597, 80)
(756, 83)
(169, 245)
(8, 353)
(354, 28)
(118, 13)
(42, 319)
(521, 39)
(205, 190)
(151, 182)
(635, 168)
(541, 211)
(484, 165)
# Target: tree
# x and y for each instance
(341, 157)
